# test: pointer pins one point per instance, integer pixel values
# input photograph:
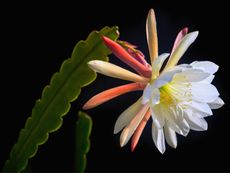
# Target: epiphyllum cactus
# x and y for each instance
(177, 97)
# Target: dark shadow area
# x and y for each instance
(37, 37)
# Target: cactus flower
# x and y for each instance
(176, 97)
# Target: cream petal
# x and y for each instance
(157, 64)
(155, 97)
(199, 106)
(165, 78)
(216, 104)
(206, 66)
(176, 112)
(171, 118)
(204, 92)
(158, 138)
(184, 127)
(191, 75)
(151, 95)
(126, 116)
(181, 49)
(115, 71)
(178, 118)
(151, 34)
(195, 122)
(157, 116)
(146, 94)
(209, 79)
(174, 127)
(176, 121)
(130, 129)
(170, 136)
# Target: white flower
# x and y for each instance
(177, 97)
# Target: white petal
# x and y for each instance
(126, 116)
(171, 118)
(157, 116)
(206, 66)
(209, 79)
(195, 122)
(216, 104)
(181, 49)
(158, 62)
(184, 127)
(129, 130)
(165, 78)
(115, 71)
(204, 92)
(170, 136)
(158, 138)
(190, 75)
(174, 127)
(146, 94)
(151, 34)
(155, 97)
(199, 106)
(176, 120)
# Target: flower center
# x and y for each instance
(175, 92)
(165, 95)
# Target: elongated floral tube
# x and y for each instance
(130, 129)
(139, 130)
(124, 56)
(181, 49)
(115, 71)
(151, 33)
(179, 37)
(112, 93)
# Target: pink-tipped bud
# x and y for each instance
(179, 37)
(124, 56)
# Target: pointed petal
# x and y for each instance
(124, 56)
(155, 97)
(158, 138)
(191, 75)
(179, 37)
(165, 78)
(172, 119)
(115, 71)
(170, 136)
(157, 116)
(206, 66)
(209, 79)
(139, 130)
(195, 122)
(181, 49)
(177, 115)
(216, 104)
(126, 116)
(204, 92)
(110, 94)
(129, 130)
(146, 94)
(151, 33)
(157, 64)
(184, 127)
(199, 106)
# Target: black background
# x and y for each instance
(37, 37)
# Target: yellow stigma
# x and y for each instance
(165, 96)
